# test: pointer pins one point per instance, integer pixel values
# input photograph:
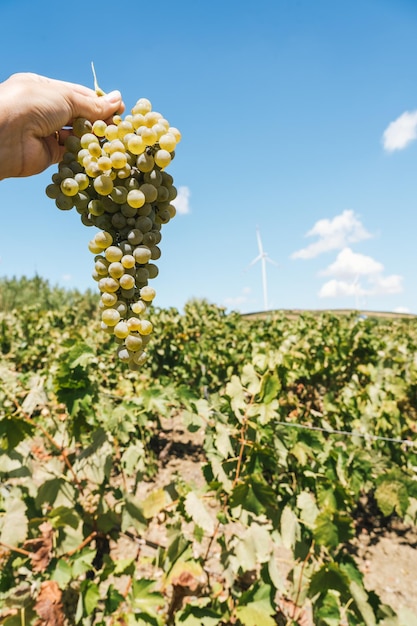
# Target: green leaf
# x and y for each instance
(329, 576)
(236, 393)
(144, 598)
(253, 547)
(361, 599)
(196, 509)
(256, 607)
(327, 612)
(62, 573)
(113, 600)
(308, 508)
(155, 502)
(391, 496)
(133, 514)
(290, 527)
(250, 379)
(198, 616)
(91, 596)
(270, 388)
(14, 522)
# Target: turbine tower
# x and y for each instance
(262, 257)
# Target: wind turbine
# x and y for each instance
(262, 257)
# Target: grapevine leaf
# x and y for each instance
(256, 607)
(253, 547)
(290, 527)
(329, 576)
(154, 502)
(91, 596)
(223, 442)
(250, 379)
(14, 522)
(144, 597)
(270, 388)
(62, 573)
(361, 599)
(308, 508)
(327, 612)
(236, 393)
(113, 600)
(198, 616)
(133, 514)
(391, 495)
(199, 514)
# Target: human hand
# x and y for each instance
(32, 109)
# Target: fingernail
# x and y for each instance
(113, 96)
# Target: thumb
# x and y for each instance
(95, 107)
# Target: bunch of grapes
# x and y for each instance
(114, 175)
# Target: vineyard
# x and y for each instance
(226, 482)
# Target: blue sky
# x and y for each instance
(298, 117)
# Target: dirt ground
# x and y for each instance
(387, 557)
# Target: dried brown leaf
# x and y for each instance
(49, 605)
(41, 548)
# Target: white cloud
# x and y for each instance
(350, 265)
(333, 234)
(400, 132)
(182, 201)
(387, 284)
(66, 277)
(356, 274)
(402, 309)
(341, 288)
(237, 301)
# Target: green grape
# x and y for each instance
(81, 126)
(136, 145)
(143, 106)
(121, 330)
(128, 261)
(114, 175)
(145, 162)
(135, 236)
(103, 185)
(147, 294)
(133, 343)
(162, 158)
(149, 191)
(155, 253)
(108, 284)
(110, 317)
(118, 159)
(123, 354)
(103, 239)
(116, 270)
(126, 281)
(72, 144)
(139, 358)
(138, 307)
(82, 180)
(119, 194)
(108, 299)
(136, 198)
(53, 191)
(146, 327)
(141, 254)
(153, 270)
(167, 142)
(99, 128)
(144, 224)
(113, 254)
(63, 202)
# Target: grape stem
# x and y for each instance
(97, 89)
